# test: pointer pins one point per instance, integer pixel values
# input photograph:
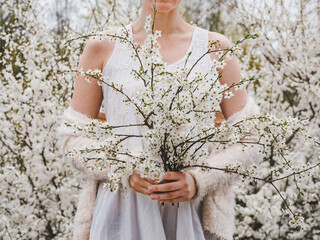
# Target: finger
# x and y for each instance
(146, 178)
(166, 181)
(166, 187)
(142, 183)
(143, 190)
(166, 195)
(150, 180)
(137, 181)
(173, 175)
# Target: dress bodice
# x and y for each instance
(136, 216)
(118, 70)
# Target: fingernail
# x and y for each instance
(150, 188)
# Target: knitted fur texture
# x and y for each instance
(214, 188)
(69, 140)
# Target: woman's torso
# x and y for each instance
(137, 216)
(118, 69)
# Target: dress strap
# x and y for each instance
(129, 28)
(118, 54)
(201, 39)
(200, 47)
(123, 31)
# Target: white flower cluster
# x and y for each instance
(147, 25)
(186, 119)
(181, 105)
(39, 190)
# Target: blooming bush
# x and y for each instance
(285, 63)
(39, 191)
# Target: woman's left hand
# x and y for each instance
(181, 187)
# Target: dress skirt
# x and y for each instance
(138, 217)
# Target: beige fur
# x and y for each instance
(214, 188)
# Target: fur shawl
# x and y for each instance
(214, 188)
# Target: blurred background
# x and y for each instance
(39, 191)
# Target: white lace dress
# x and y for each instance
(138, 217)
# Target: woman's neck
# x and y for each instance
(168, 21)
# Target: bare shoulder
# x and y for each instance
(223, 42)
(105, 36)
(101, 40)
(87, 96)
(100, 47)
(230, 74)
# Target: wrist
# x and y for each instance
(194, 186)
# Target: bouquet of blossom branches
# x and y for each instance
(177, 108)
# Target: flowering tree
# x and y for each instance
(284, 60)
(285, 63)
(39, 191)
(181, 100)
(38, 196)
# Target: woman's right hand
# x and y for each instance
(140, 184)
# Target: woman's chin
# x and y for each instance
(165, 6)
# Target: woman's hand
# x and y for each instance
(181, 187)
(140, 184)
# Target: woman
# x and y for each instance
(206, 210)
